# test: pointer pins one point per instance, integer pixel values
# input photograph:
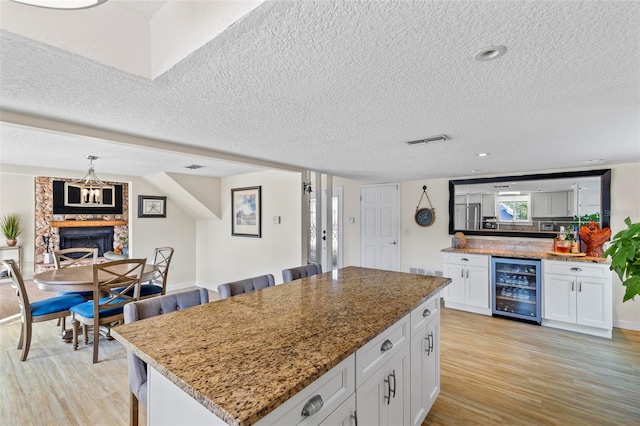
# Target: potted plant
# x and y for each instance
(124, 242)
(10, 226)
(625, 258)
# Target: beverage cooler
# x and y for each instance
(516, 288)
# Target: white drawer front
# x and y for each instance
(371, 356)
(466, 259)
(583, 269)
(424, 313)
(333, 388)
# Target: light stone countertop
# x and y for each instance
(525, 254)
(244, 356)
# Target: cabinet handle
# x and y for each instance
(393, 391)
(426, 313)
(579, 286)
(462, 273)
(573, 285)
(467, 273)
(576, 269)
(354, 416)
(464, 259)
(428, 344)
(431, 339)
(388, 396)
(312, 406)
(386, 345)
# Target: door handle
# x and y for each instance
(393, 243)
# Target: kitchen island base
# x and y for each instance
(393, 379)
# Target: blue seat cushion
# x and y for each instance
(145, 290)
(84, 294)
(55, 304)
(86, 309)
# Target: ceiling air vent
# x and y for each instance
(438, 138)
(194, 167)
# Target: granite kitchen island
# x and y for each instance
(244, 357)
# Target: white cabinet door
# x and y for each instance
(559, 204)
(540, 204)
(477, 286)
(425, 370)
(455, 290)
(489, 205)
(344, 415)
(594, 302)
(560, 297)
(384, 398)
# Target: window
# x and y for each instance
(514, 208)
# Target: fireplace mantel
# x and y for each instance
(87, 223)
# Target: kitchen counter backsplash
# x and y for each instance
(518, 249)
(510, 245)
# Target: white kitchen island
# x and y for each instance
(364, 342)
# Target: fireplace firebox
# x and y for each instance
(100, 237)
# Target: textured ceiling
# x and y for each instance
(339, 87)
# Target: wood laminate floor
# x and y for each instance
(494, 372)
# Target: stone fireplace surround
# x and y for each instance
(47, 224)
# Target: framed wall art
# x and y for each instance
(152, 206)
(246, 210)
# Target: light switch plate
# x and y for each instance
(276, 220)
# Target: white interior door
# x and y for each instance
(379, 227)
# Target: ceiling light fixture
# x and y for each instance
(62, 4)
(194, 166)
(490, 53)
(90, 188)
(438, 138)
(508, 192)
(483, 154)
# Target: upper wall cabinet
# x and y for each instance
(529, 205)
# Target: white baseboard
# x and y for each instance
(627, 325)
(180, 286)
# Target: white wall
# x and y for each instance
(176, 230)
(208, 255)
(625, 202)
(222, 257)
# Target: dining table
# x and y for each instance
(80, 278)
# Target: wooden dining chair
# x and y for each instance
(42, 310)
(74, 256)
(158, 285)
(71, 257)
(148, 308)
(107, 305)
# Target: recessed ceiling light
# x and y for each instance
(62, 4)
(483, 154)
(490, 53)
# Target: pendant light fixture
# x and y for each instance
(62, 4)
(89, 191)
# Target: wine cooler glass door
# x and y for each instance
(516, 288)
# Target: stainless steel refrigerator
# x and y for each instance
(468, 216)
